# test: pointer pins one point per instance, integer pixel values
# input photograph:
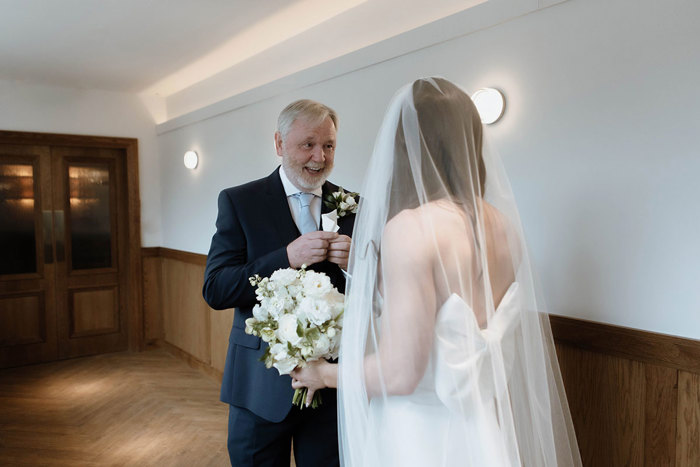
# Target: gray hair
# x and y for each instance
(312, 111)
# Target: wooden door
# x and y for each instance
(63, 252)
(27, 270)
(89, 228)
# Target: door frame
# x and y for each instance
(135, 324)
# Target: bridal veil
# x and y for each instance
(447, 356)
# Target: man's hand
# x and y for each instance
(339, 251)
(310, 248)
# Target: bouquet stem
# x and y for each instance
(299, 398)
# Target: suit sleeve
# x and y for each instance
(226, 277)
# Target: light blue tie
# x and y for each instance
(306, 219)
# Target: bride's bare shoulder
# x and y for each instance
(403, 232)
(405, 223)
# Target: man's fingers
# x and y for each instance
(337, 254)
(320, 243)
(339, 246)
(316, 234)
(317, 253)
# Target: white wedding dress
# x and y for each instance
(459, 426)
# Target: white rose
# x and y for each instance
(322, 345)
(344, 206)
(276, 307)
(350, 201)
(307, 351)
(279, 350)
(315, 311)
(287, 329)
(294, 290)
(336, 302)
(282, 360)
(285, 366)
(259, 313)
(284, 277)
(317, 284)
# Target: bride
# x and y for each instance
(447, 357)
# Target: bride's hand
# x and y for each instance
(314, 376)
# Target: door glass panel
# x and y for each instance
(17, 228)
(89, 213)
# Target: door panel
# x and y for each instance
(22, 317)
(27, 270)
(93, 311)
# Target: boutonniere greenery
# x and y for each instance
(343, 202)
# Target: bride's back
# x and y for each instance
(464, 262)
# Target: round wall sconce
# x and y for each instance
(191, 160)
(490, 103)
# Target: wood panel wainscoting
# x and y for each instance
(634, 395)
(176, 316)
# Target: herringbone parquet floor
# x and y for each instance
(124, 409)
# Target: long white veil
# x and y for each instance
(447, 356)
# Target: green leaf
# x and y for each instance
(314, 333)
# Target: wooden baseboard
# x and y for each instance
(189, 359)
(184, 256)
(150, 251)
(179, 255)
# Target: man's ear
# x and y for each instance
(278, 143)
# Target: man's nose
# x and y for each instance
(318, 154)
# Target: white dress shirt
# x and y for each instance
(290, 190)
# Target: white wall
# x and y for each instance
(51, 109)
(599, 140)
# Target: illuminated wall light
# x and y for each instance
(191, 160)
(490, 103)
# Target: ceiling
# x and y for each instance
(163, 46)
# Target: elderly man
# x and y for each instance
(262, 226)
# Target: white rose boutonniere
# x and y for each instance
(342, 203)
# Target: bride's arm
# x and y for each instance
(408, 314)
(408, 317)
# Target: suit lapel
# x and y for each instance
(327, 189)
(277, 208)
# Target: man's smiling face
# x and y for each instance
(307, 152)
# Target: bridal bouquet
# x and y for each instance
(299, 315)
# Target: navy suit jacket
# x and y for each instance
(253, 228)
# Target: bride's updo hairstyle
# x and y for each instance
(447, 142)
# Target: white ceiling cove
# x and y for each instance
(161, 47)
